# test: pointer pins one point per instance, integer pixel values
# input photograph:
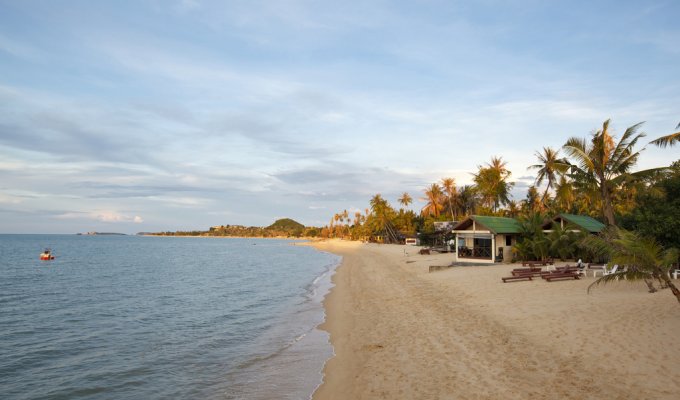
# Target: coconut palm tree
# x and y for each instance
(564, 194)
(500, 166)
(467, 200)
(644, 258)
(450, 191)
(433, 196)
(606, 163)
(491, 183)
(668, 140)
(550, 165)
(513, 209)
(532, 203)
(405, 199)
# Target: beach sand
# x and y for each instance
(400, 332)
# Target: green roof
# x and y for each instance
(583, 221)
(497, 225)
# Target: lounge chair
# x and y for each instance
(610, 271)
(522, 271)
(564, 272)
(561, 275)
(521, 277)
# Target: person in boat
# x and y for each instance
(46, 255)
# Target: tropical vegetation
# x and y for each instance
(594, 176)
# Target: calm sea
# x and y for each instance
(126, 317)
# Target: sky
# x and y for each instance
(154, 115)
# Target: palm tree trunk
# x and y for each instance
(607, 208)
(546, 192)
(666, 278)
(451, 209)
(650, 286)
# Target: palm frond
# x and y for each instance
(577, 148)
(649, 173)
(668, 140)
(623, 157)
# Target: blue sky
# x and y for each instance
(153, 115)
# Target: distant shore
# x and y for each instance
(400, 332)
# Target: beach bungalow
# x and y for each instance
(574, 222)
(483, 239)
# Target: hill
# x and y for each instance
(286, 224)
(284, 227)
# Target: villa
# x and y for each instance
(483, 239)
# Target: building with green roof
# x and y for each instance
(575, 222)
(485, 239)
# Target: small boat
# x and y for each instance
(46, 255)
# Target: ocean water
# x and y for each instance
(126, 317)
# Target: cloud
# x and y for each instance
(102, 216)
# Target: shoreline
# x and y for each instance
(398, 331)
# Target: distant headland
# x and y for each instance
(284, 227)
(100, 233)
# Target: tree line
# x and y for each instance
(588, 176)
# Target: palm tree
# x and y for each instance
(564, 194)
(512, 210)
(604, 162)
(467, 199)
(668, 140)
(644, 258)
(405, 199)
(498, 165)
(433, 196)
(491, 183)
(532, 202)
(449, 186)
(550, 165)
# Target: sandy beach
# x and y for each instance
(400, 332)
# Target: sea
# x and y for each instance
(143, 317)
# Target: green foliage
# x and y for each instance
(604, 164)
(643, 257)
(535, 244)
(657, 214)
(491, 183)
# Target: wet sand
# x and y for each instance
(400, 332)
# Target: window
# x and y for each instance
(508, 240)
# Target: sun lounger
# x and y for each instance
(563, 272)
(521, 277)
(533, 263)
(531, 270)
(560, 276)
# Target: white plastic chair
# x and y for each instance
(676, 273)
(601, 271)
(611, 271)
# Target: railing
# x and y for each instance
(475, 252)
